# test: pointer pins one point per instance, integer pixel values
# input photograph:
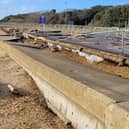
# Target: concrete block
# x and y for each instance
(117, 116)
(89, 99)
(84, 106)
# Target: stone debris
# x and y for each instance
(13, 90)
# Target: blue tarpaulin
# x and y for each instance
(42, 20)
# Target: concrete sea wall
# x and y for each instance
(74, 102)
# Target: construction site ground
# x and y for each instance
(27, 110)
(95, 75)
(108, 66)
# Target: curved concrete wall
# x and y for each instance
(76, 103)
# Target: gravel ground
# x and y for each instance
(27, 110)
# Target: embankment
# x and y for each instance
(76, 103)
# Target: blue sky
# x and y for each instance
(9, 7)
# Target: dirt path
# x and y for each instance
(28, 111)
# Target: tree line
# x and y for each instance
(96, 16)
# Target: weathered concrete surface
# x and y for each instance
(66, 109)
(117, 116)
(85, 107)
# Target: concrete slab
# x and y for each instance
(101, 95)
(117, 116)
(111, 85)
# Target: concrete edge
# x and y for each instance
(89, 99)
(117, 116)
